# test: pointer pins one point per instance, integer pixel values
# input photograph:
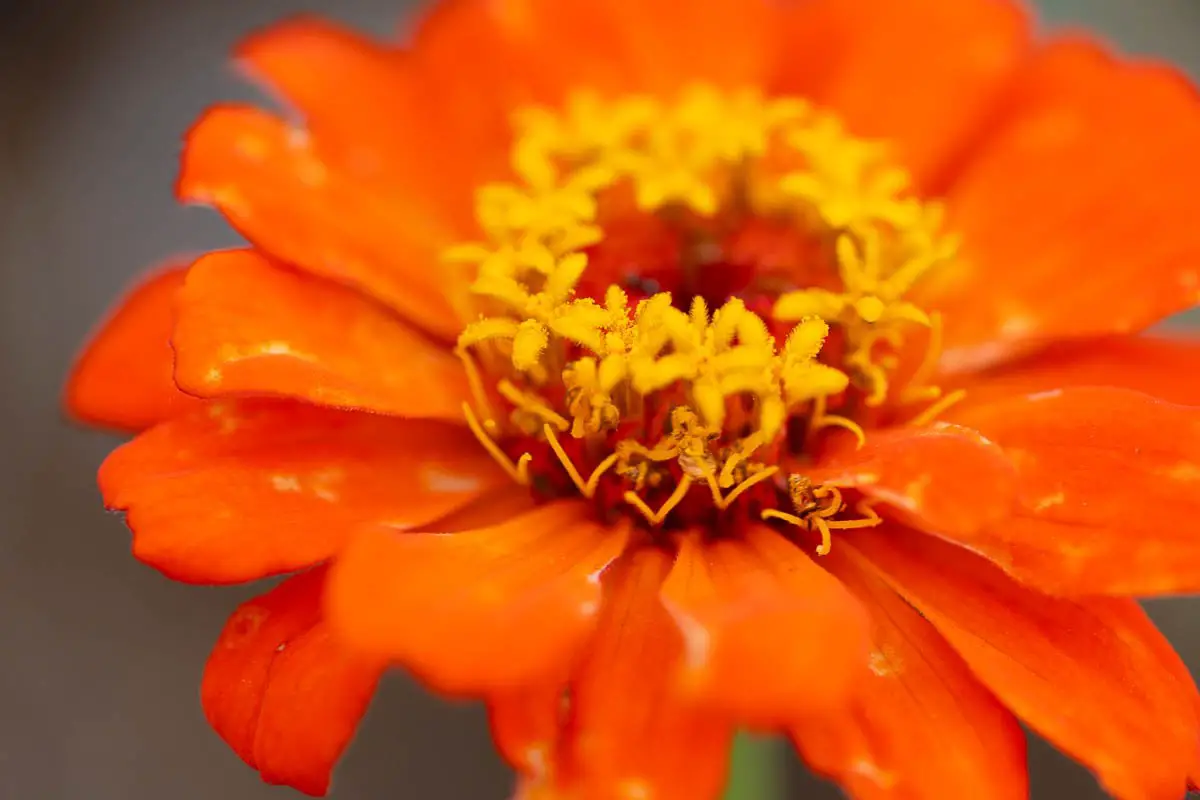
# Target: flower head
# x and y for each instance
(662, 369)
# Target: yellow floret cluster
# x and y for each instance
(693, 154)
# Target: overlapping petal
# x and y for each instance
(249, 326)
(551, 47)
(124, 379)
(630, 732)
(1091, 675)
(941, 478)
(488, 610)
(281, 690)
(1108, 483)
(672, 45)
(1166, 367)
(526, 724)
(241, 489)
(921, 726)
(277, 187)
(1069, 210)
(923, 75)
(731, 599)
(367, 103)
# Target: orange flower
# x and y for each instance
(648, 369)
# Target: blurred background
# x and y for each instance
(100, 657)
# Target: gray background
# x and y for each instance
(100, 657)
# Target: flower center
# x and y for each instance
(657, 287)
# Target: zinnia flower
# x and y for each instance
(652, 369)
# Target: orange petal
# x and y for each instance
(487, 610)
(1086, 674)
(278, 189)
(538, 51)
(124, 378)
(731, 600)
(1167, 368)
(921, 74)
(248, 326)
(1061, 236)
(944, 478)
(673, 44)
(344, 84)
(324, 69)
(490, 508)
(630, 733)
(513, 63)
(238, 490)
(281, 692)
(921, 727)
(1108, 483)
(366, 105)
(525, 725)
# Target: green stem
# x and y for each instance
(757, 769)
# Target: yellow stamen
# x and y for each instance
(750, 482)
(834, 497)
(531, 404)
(819, 420)
(870, 519)
(804, 522)
(656, 517)
(742, 452)
(586, 488)
(603, 467)
(572, 472)
(816, 507)
(826, 538)
(519, 472)
(939, 407)
(711, 480)
(835, 421)
(918, 386)
(475, 385)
